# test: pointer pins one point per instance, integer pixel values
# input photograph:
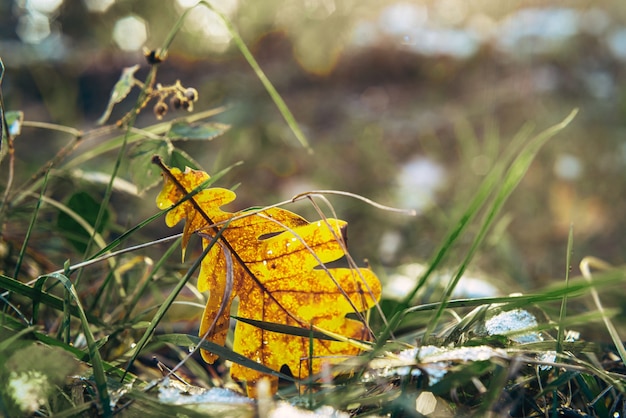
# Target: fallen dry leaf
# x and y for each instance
(277, 276)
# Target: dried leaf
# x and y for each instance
(278, 277)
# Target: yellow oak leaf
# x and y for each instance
(278, 276)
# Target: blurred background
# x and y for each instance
(407, 103)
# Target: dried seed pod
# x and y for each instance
(191, 94)
(160, 110)
(153, 57)
(175, 102)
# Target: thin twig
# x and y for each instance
(103, 257)
(409, 212)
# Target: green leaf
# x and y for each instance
(180, 159)
(202, 131)
(87, 207)
(143, 173)
(120, 91)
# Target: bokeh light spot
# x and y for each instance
(130, 33)
(98, 6)
(33, 27)
(43, 6)
(568, 167)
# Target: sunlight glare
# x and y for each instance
(99, 6)
(130, 33)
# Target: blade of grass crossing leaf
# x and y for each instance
(225, 353)
(512, 178)
(168, 302)
(284, 329)
(214, 178)
(310, 363)
(94, 354)
(228, 288)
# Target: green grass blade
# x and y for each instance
(31, 225)
(76, 217)
(278, 100)
(38, 296)
(8, 342)
(513, 176)
(563, 311)
(4, 299)
(94, 354)
(577, 287)
(563, 314)
(108, 192)
(139, 293)
(480, 198)
(585, 266)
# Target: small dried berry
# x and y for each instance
(186, 104)
(175, 102)
(154, 56)
(191, 94)
(160, 109)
